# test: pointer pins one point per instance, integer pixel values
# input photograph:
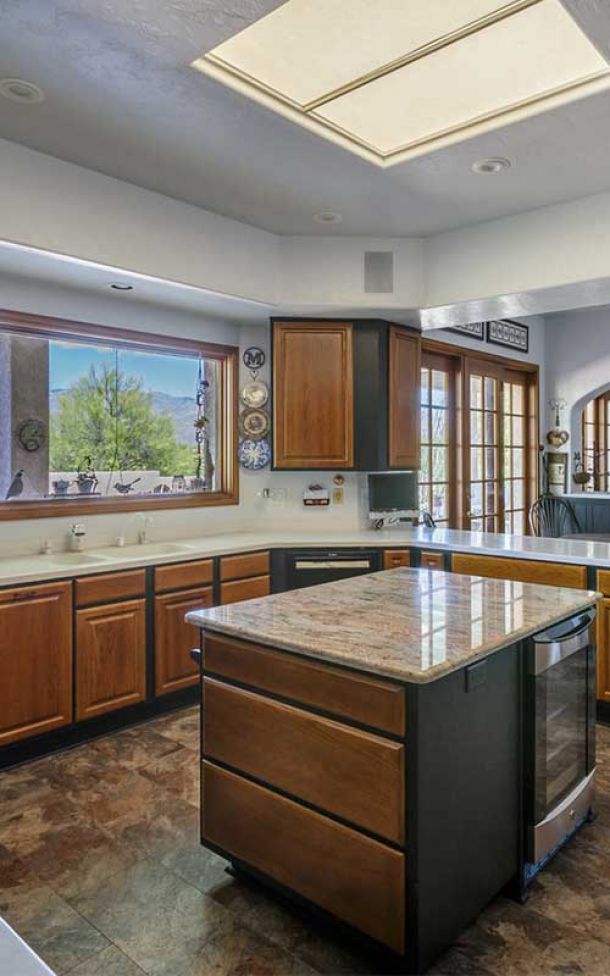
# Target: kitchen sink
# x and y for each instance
(74, 558)
(147, 549)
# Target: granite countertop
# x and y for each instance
(414, 625)
(26, 568)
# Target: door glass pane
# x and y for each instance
(439, 388)
(439, 426)
(476, 499)
(476, 427)
(476, 464)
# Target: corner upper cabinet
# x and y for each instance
(403, 399)
(346, 395)
(313, 395)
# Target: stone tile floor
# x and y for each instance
(101, 871)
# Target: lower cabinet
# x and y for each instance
(603, 650)
(110, 657)
(174, 638)
(246, 589)
(392, 558)
(35, 660)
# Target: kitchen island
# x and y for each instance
(362, 746)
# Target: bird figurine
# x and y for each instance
(16, 486)
(125, 489)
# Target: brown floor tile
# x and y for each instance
(178, 773)
(135, 747)
(48, 924)
(154, 917)
(163, 826)
(181, 726)
(108, 962)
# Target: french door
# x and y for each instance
(499, 456)
(437, 478)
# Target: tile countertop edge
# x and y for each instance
(407, 675)
(454, 540)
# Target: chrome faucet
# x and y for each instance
(77, 536)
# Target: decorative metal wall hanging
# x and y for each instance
(254, 359)
(254, 424)
(557, 437)
(201, 446)
(254, 455)
(476, 330)
(32, 434)
(504, 332)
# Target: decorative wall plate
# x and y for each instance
(254, 358)
(32, 434)
(255, 394)
(254, 455)
(254, 424)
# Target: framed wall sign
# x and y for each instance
(476, 330)
(514, 335)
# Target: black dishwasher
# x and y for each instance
(311, 566)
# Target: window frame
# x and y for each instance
(597, 463)
(464, 362)
(41, 326)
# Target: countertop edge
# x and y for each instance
(404, 676)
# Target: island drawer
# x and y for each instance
(522, 570)
(352, 774)
(108, 587)
(355, 878)
(245, 565)
(183, 575)
(396, 557)
(378, 704)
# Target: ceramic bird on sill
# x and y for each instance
(16, 486)
(124, 489)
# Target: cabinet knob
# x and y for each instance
(196, 655)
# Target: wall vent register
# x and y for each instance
(380, 78)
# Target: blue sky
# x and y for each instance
(175, 375)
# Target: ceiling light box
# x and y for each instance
(392, 80)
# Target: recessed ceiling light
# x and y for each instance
(328, 217)
(491, 165)
(121, 286)
(19, 90)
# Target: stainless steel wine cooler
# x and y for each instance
(560, 703)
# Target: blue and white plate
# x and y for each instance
(254, 455)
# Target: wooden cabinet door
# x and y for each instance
(35, 660)
(403, 406)
(110, 657)
(313, 400)
(603, 650)
(174, 639)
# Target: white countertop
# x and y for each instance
(32, 567)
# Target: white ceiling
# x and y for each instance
(122, 99)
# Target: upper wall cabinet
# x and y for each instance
(345, 395)
(313, 395)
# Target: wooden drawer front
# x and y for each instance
(174, 638)
(353, 774)
(240, 567)
(246, 589)
(35, 660)
(432, 560)
(523, 570)
(182, 575)
(396, 557)
(347, 695)
(108, 587)
(603, 581)
(110, 657)
(356, 879)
